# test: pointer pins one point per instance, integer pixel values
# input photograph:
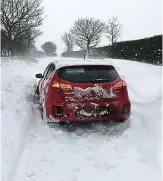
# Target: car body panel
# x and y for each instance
(84, 101)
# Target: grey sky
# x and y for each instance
(140, 18)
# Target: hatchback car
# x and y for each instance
(82, 91)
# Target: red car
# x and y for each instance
(78, 92)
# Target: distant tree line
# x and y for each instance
(49, 48)
(20, 28)
(148, 50)
(86, 33)
(20, 22)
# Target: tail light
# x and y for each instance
(121, 84)
(58, 84)
(62, 86)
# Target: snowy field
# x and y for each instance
(31, 151)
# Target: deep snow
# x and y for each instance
(31, 151)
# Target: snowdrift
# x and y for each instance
(32, 151)
(17, 84)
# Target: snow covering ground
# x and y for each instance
(31, 151)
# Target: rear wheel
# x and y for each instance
(62, 122)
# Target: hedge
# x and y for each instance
(147, 50)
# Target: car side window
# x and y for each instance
(50, 70)
(46, 70)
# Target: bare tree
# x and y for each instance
(49, 48)
(113, 29)
(4, 51)
(21, 20)
(87, 33)
(68, 40)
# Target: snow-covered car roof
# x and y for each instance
(64, 63)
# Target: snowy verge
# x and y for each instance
(17, 88)
(15, 112)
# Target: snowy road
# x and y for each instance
(33, 152)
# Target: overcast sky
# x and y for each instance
(140, 18)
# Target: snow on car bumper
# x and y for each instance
(89, 111)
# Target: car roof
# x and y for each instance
(64, 63)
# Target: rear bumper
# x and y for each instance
(69, 111)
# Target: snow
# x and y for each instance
(17, 85)
(98, 90)
(31, 151)
(70, 62)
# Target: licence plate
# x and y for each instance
(90, 112)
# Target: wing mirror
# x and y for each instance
(39, 76)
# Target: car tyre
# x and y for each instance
(62, 123)
(121, 120)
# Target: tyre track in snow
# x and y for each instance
(54, 154)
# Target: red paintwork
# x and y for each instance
(56, 97)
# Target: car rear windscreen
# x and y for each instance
(88, 74)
